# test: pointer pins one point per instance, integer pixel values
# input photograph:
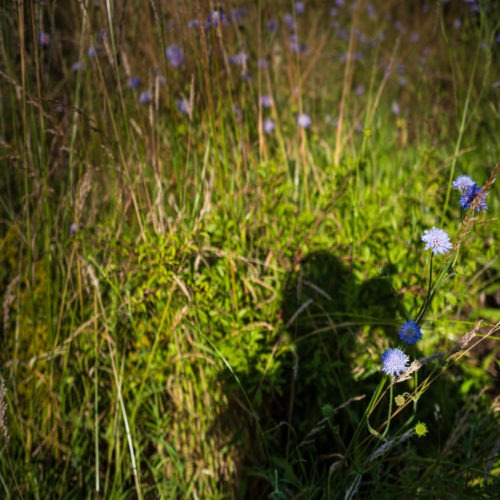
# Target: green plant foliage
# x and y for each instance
(197, 291)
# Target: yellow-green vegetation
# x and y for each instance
(210, 233)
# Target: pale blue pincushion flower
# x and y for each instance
(472, 193)
(145, 97)
(437, 240)
(184, 106)
(266, 101)
(410, 332)
(303, 120)
(268, 125)
(133, 82)
(175, 55)
(462, 182)
(43, 39)
(394, 362)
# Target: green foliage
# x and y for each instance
(195, 307)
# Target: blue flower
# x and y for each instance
(77, 66)
(239, 59)
(471, 194)
(272, 25)
(394, 362)
(184, 106)
(133, 82)
(175, 55)
(262, 63)
(266, 101)
(462, 182)
(437, 240)
(216, 17)
(145, 97)
(299, 7)
(296, 46)
(303, 120)
(410, 332)
(268, 125)
(43, 39)
(288, 20)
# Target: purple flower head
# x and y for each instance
(77, 66)
(371, 11)
(237, 14)
(266, 101)
(145, 97)
(268, 125)
(43, 39)
(184, 106)
(193, 23)
(296, 46)
(216, 17)
(359, 90)
(437, 240)
(133, 82)
(395, 108)
(394, 362)
(462, 182)
(262, 63)
(272, 25)
(299, 7)
(92, 52)
(74, 228)
(471, 194)
(410, 332)
(239, 59)
(288, 20)
(175, 55)
(303, 120)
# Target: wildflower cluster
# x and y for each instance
(472, 195)
(394, 360)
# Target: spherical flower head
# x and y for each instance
(175, 55)
(471, 194)
(77, 66)
(272, 25)
(420, 429)
(303, 120)
(266, 101)
(145, 97)
(262, 63)
(268, 125)
(239, 59)
(134, 82)
(410, 332)
(399, 400)
(43, 39)
(394, 362)
(437, 240)
(462, 182)
(184, 106)
(288, 20)
(300, 7)
(216, 17)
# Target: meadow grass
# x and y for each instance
(198, 286)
